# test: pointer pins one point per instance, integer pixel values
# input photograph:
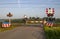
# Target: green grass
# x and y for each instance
(5, 29)
(52, 32)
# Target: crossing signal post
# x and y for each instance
(50, 14)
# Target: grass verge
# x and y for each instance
(52, 32)
(5, 29)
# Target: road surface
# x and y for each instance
(23, 33)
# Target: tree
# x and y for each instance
(30, 17)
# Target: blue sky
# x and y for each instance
(35, 8)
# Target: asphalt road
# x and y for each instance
(24, 33)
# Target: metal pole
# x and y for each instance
(9, 20)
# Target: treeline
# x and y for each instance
(31, 18)
(57, 20)
(22, 20)
(16, 20)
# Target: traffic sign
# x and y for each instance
(50, 11)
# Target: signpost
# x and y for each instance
(50, 14)
(9, 15)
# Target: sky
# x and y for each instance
(30, 8)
